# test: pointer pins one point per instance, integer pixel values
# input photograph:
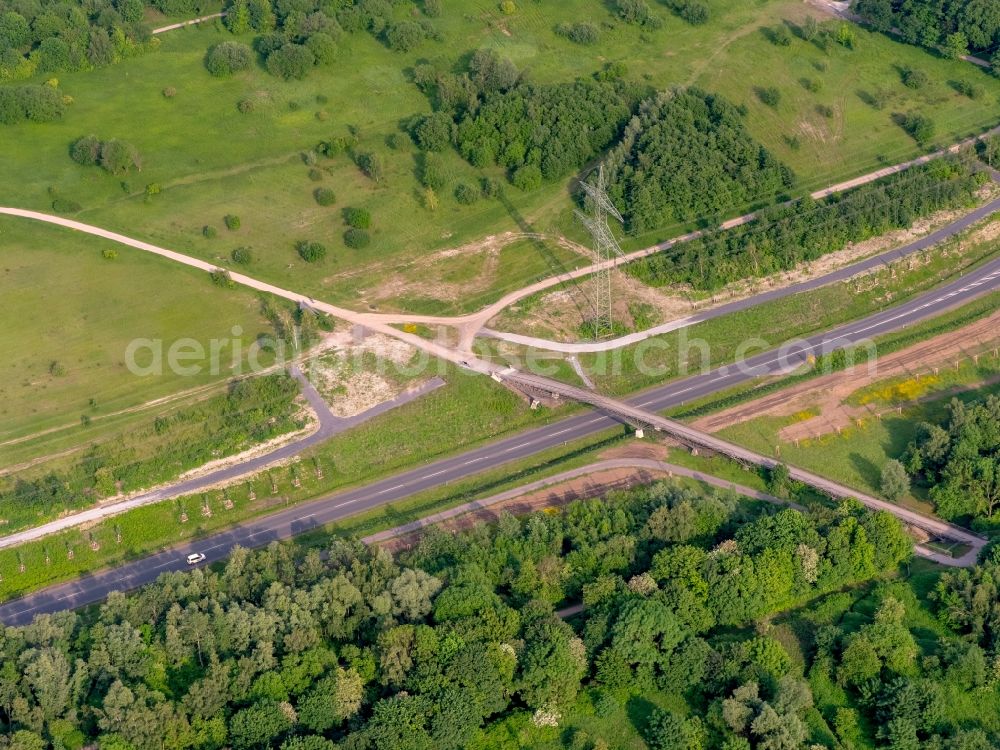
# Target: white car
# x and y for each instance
(194, 558)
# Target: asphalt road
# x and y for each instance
(308, 516)
(841, 274)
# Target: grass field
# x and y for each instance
(857, 454)
(210, 160)
(70, 317)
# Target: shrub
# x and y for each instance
(769, 96)
(527, 178)
(969, 89)
(508, 7)
(86, 150)
(636, 12)
(226, 58)
(323, 48)
(246, 105)
(232, 222)
(914, 78)
(779, 36)
(290, 61)
(221, 277)
(919, 126)
(894, 481)
(491, 187)
(825, 110)
(432, 172)
(694, 12)
(371, 164)
(432, 8)
(242, 255)
(315, 175)
(311, 252)
(37, 103)
(324, 196)
(359, 218)
(64, 206)
(395, 141)
(209, 232)
(466, 194)
(169, 92)
(582, 32)
(109, 253)
(118, 157)
(357, 238)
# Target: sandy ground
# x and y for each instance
(558, 314)
(428, 276)
(347, 384)
(825, 396)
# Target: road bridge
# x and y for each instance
(536, 385)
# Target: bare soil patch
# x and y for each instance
(821, 402)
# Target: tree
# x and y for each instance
(227, 58)
(412, 592)
(895, 482)
(324, 48)
(237, 18)
(258, 725)
(956, 45)
(404, 36)
(86, 150)
(434, 132)
(665, 730)
(371, 164)
(492, 73)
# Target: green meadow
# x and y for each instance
(208, 159)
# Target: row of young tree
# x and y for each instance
(253, 411)
(50, 36)
(785, 235)
(303, 650)
(956, 27)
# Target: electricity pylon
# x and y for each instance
(607, 250)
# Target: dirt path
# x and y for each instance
(827, 394)
(182, 24)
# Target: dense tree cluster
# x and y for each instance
(956, 27)
(960, 460)
(296, 35)
(298, 651)
(786, 235)
(227, 58)
(253, 411)
(546, 130)
(687, 155)
(30, 102)
(49, 36)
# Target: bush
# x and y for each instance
(919, 126)
(527, 178)
(86, 150)
(914, 78)
(582, 32)
(432, 172)
(769, 96)
(64, 206)
(969, 89)
(371, 164)
(35, 102)
(242, 255)
(246, 105)
(311, 252)
(466, 194)
(432, 8)
(227, 58)
(359, 218)
(118, 157)
(324, 196)
(357, 238)
(636, 12)
(290, 61)
(232, 222)
(404, 36)
(209, 232)
(315, 175)
(109, 253)
(694, 12)
(221, 277)
(169, 92)
(323, 48)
